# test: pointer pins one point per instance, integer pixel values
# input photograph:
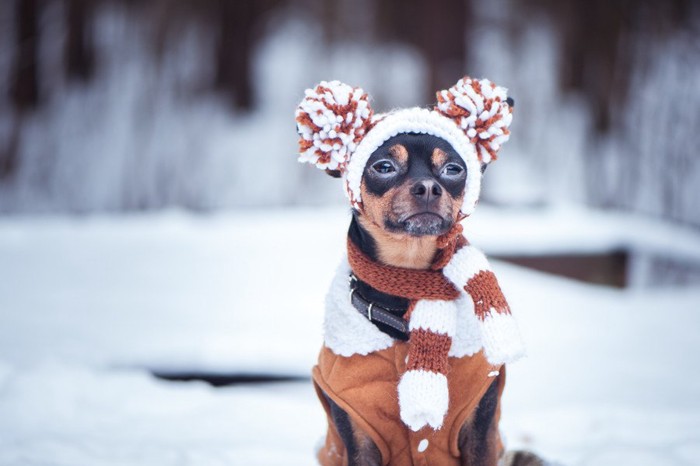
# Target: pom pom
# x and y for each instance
(331, 121)
(481, 109)
(423, 399)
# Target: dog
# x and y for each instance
(417, 332)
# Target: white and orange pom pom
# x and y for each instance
(331, 120)
(480, 109)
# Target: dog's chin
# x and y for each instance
(421, 224)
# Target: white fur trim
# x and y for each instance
(466, 263)
(415, 120)
(501, 337)
(467, 339)
(423, 399)
(346, 331)
(436, 316)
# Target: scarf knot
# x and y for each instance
(411, 284)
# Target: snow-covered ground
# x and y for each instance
(89, 305)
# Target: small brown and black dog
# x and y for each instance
(412, 190)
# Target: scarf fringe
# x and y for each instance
(423, 399)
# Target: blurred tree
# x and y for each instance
(237, 23)
(79, 47)
(443, 41)
(24, 78)
(591, 35)
(615, 54)
(233, 51)
(609, 52)
(236, 27)
(436, 29)
(597, 40)
(24, 89)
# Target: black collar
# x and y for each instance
(389, 321)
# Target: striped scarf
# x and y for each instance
(458, 269)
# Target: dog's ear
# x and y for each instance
(331, 121)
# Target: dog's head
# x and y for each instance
(408, 171)
(413, 184)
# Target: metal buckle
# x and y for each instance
(352, 279)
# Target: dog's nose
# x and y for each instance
(426, 189)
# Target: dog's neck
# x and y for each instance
(405, 251)
(372, 249)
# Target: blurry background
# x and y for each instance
(133, 105)
(150, 200)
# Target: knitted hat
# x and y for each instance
(339, 131)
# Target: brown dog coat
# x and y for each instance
(365, 388)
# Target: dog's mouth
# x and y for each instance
(423, 224)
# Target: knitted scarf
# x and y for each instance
(459, 269)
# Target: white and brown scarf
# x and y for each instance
(461, 274)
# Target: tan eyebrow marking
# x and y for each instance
(400, 153)
(439, 157)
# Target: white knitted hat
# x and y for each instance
(339, 131)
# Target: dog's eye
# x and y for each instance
(452, 169)
(384, 167)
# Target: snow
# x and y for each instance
(89, 305)
(197, 280)
(566, 228)
(607, 371)
(57, 413)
